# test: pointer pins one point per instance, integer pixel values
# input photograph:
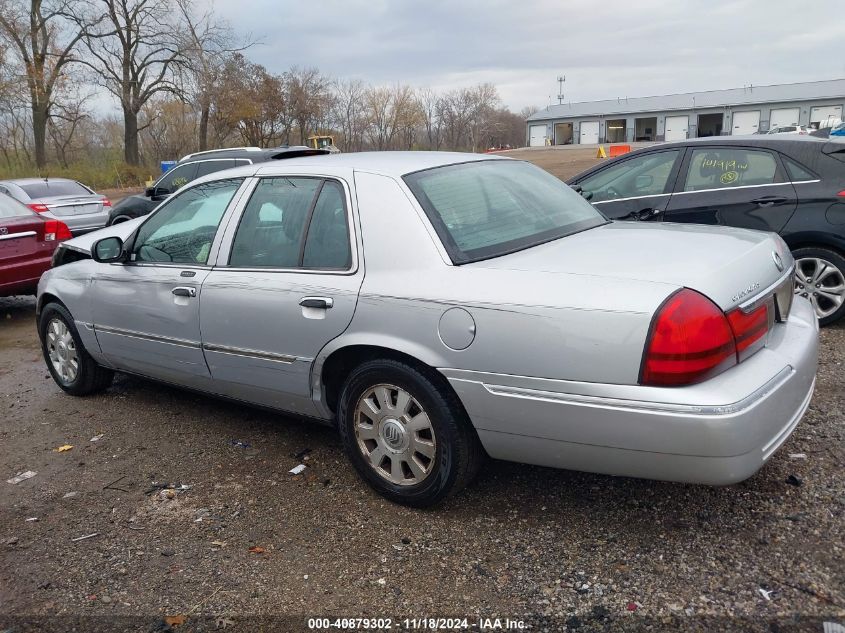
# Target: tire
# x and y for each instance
(60, 342)
(119, 219)
(812, 280)
(425, 481)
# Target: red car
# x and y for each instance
(27, 242)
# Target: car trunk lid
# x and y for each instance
(65, 206)
(21, 237)
(730, 266)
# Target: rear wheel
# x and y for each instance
(119, 220)
(406, 433)
(69, 364)
(820, 277)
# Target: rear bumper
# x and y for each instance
(717, 432)
(80, 224)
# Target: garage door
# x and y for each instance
(746, 122)
(676, 128)
(589, 133)
(826, 116)
(537, 135)
(784, 116)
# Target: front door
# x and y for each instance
(635, 188)
(733, 186)
(146, 311)
(286, 285)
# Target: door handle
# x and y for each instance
(768, 201)
(184, 291)
(324, 303)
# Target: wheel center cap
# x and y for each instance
(394, 435)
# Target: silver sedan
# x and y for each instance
(71, 202)
(437, 308)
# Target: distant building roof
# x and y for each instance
(707, 99)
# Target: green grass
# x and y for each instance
(115, 175)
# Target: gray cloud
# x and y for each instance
(606, 49)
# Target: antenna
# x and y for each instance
(560, 81)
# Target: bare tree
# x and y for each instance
(430, 108)
(135, 51)
(308, 98)
(43, 37)
(348, 113)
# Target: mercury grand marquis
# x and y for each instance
(438, 308)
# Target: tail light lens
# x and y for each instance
(691, 339)
(750, 329)
(106, 202)
(841, 194)
(55, 231)
(38, 208)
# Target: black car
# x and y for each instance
(794, 186)
(199, 164)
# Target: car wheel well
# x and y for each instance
(341, 362)
(813, 244)
(44, 299)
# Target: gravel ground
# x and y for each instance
(248, 546)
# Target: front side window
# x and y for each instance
(177, 177)
(489, 208)
(183, 229)
(718, 168)
(646, 175)
(273, 224)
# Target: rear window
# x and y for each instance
(485, 209)
(10, 208)
(54, 188)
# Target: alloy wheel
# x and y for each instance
(395, 435)
(822, 283)
(61, 349)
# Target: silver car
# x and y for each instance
(80, 208)
(437, 308)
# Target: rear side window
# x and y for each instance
(273, 224)
(54, 188)
(206, 167)
(796, 172)
(327, 243)
(11, 208)
(718, 168)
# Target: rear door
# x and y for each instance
(286, 283)
(635, 187)
(734, 186)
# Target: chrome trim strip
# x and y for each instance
(662, 407)
(251, 353)
(769, 449)
(78, 203)
(651, 195)
(147, 337)
(771, 184)
(749, 304)
(12, 236)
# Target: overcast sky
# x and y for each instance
(606, 49)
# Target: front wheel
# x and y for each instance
(71, 367)
(406, 433)
(820, 277)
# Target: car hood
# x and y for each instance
(728, 265)
(83, 243)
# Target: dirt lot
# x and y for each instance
(563, 162)
(247, 546)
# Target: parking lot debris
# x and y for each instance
(84, 538)
(257, 549)
(29, 474)
(767, 594)
(240, 443)
(296, 470)
(11, 541)
(174, 620)
(833, 627)
(798, 456)
(32, 519)
(302, 455)
(794, 480)
(111, 485)
(174, 487)
(97, 438)
(63, 448)
(70, 495)
(632, 606)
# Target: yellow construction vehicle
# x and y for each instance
(322, 141)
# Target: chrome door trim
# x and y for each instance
(147, 337)
(12, 236)
(771, 184)
(253, 353)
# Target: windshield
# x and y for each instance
(54, 188)
(489, 208)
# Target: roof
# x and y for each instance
(255, 154)
(387, 163)
(803, 91)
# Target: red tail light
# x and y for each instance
(750, 329)
(106, 202)
(841, 194)
(38, 208)
(691, 339)
(56, 231)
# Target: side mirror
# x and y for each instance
(157, 193)
(108, 250)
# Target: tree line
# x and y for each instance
(183, 81)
